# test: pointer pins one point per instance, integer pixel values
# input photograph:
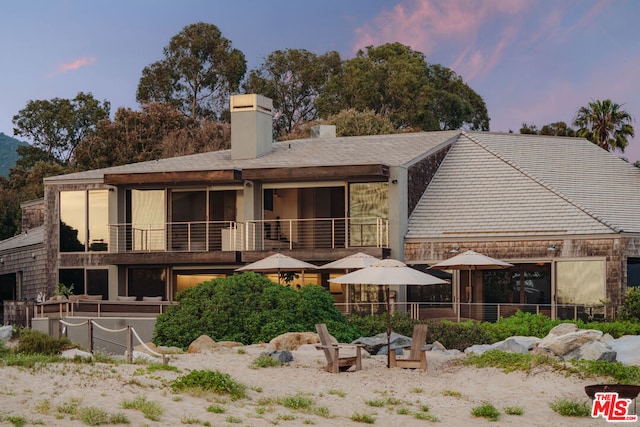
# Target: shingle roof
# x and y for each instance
(516, 185)
(393, 150)
(31, 237)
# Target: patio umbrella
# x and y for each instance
(470, 260)
(388, 272)
(351, 262)
(278, 263)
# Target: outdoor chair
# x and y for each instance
(335, 363)
(417, 355)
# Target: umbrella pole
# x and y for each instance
(388, 329)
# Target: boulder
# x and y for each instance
(377, 344)
(293, 340)
(593, 350)
(282, 356)
(626, 349)
(203, 344)
(74, 352)
(563, 328)
(6, 332)
(563, 344)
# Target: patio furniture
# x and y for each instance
(417, 355)
(335, 363)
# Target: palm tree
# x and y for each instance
(605, 124)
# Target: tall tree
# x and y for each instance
(605, 124)
(396, 81)
(58, 125)
(553, 129)
(293, 79)
(199, 71)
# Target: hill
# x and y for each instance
(8, 153)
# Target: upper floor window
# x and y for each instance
(84, 221)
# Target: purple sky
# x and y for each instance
(534, 61)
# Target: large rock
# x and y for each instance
(377, 344)
(6, 332)
(282, 356)
(293, 340)
(627, 349)
(560, 345)
(593, 350)
(516, 344)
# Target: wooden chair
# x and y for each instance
(335, 363)
(417, 355)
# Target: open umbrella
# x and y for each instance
(470, 260)
(388, 272)
(351, 262)
(278, 263)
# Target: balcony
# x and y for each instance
(264, 235)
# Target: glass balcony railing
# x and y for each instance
(288, 234)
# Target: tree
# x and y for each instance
(396, 81)
(553, 129)
(199, 71)
(605, 124)
(356, 123)
(58, 125)
(293, 79)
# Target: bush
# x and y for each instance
(459, 336)
(31, 341)
(248, 308)
(211, 381)
(631, 305)
(520, 324)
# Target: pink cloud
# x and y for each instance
(78, 63)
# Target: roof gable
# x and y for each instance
(476, 193)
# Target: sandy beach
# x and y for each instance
(449, 391)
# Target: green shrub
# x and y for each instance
(212, 381)
(248, 308)
(520, 324)
(457, 335)
(486, 410)
(571, 408)
(631, 305)
(30, 341)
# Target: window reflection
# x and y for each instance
(98, 220)
(581, 282)
(72, 221)
(367, 201)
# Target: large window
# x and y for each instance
(147, 282)
(633, 271)
(367, 202)
(146, 214)
(84, 221)
(581, 282)
(90, 281)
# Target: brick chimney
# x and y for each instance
(251, 126)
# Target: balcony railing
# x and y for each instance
(207, 236)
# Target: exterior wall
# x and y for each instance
(420, 175)
(32, 214)
(614, 249)
(30, 261)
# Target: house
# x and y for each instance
(561, 209)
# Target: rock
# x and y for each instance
(202, 344)
(282, 356)
(438, 346)
(293, 340)
(74, 352)
(169, 350)
(593, 350)
(511, 345)
(6, 332)
(478, 348)
(563, 328)
(142, 357)
(377, 344)
(626, 349)
(561, 345)
(516, 344)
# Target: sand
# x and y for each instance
(449, 390)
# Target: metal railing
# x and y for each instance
(207, 236)
(489, 312)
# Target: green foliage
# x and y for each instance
(199, 71)
(248, 308)
(32, 342)
(508, 362)
(151, 410)
(571, 408)
(373, 324)
(513, 410)
(486, 410)
(520, 324)
(455, 335)
(265, 361)
(351, 122)
(363, 418)
(618, 372)
(631, 304)
(8, 153)
(605, 124)
(209, 381)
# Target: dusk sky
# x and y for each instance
(533, 61)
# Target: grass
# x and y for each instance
(363, 418)
(265, 361)
(338, 393)
(201, 381)
(216, 409)
(513, 410)
(486, 410)
(571, 408)
(151, 410)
